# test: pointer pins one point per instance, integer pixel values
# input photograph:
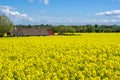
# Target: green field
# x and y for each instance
(90, 56)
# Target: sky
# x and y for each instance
(61, 12)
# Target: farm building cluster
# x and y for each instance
(31, 32)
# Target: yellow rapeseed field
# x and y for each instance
(91, 56)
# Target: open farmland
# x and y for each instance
(87, 57)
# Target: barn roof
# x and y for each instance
(30, 31)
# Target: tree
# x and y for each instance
(66, 29)
(70, 29)
(5, 24)
(90, 29)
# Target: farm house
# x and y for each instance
(31, 32)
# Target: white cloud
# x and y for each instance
(56, 20)
(46, 2)
(73, 21)
(11, 12)
(102, 21)
(70, 20)
(115, 13)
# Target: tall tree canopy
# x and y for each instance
(5, 24)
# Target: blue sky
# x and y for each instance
(58, 12)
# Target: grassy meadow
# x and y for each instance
(90, 56)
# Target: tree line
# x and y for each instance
(77, 29)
